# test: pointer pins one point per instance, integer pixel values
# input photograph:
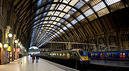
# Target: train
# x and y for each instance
(84, 57)
(73, 55)
(110, 55)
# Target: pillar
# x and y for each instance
(68, 46)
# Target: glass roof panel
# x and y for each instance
(53, 18)
(56, 0)
(61, 7)
(74, 22)
(66, 1)
(50, 13)
(58, 24)
(45, 22)
(38, 11)
(42, 28)
(53, 6)
(47, 7)
(68, 25)
(88, 12)
(36, 18)
(39, 2)
(66, 16)
(110, 2)
(99, 6)
(44, 14)
(57, 19)
(64, 28)
(58, 32)
(41, 22)
(80, 17)
(52, 25)
(47, 25)
(67, 9)
(62, 20)
(79, 4)
(72, 11)
(62, 14)
(73, 2)
(50, 21)
(61, 30)
(56, 13)
(46, 18)
(54, 22)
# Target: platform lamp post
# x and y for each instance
(15, 48)
(0, 51)
(9, 47)
(5, 47)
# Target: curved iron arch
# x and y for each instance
(84, 30)
(64, 19)
(59, 31)
(93, 30)
(61, 23)
(56, 25)
(53, 34)
(66, 13)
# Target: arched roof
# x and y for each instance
(63, 20)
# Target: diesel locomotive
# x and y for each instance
(75, 54)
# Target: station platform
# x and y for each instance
(25, 64)
(123, 64)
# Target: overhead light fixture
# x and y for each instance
(5, 45)
(10, 35)
(16, 41)
(19, 43)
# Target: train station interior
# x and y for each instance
(64, 35)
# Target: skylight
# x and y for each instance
(88, 12)
(39, 3)
(74, 22)
(68, 25)
(64, 28)
(80, 17)
(110, 2)
(99, 6)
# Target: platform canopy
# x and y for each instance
(66, 20)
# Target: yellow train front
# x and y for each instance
(82, 56)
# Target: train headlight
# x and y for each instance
(81, 60)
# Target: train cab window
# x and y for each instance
(82, 53)
(74, 53)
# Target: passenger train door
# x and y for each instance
(122, 56)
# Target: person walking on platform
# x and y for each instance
(37, 58)
(33, 58)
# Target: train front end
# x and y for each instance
(83, 57)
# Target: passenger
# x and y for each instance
(33, 58)
(37, 58)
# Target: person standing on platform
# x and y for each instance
(37, 58)
(33, 58)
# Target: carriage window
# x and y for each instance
(82, 53)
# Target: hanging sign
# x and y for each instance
(9, 48)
